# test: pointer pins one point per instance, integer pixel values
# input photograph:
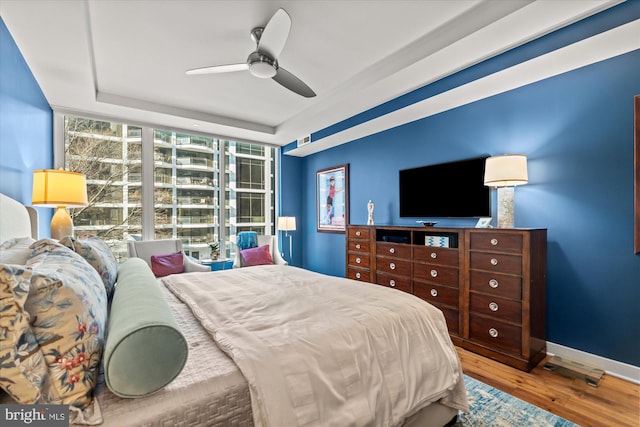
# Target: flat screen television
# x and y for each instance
(446, 190)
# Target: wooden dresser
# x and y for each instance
(489, 283)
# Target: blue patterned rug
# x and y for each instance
(492, 407)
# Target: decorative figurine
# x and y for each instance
(370, 209)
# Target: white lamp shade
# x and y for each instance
(507, 170)
(287, 223)
(57, 187)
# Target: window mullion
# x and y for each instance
(148, 203)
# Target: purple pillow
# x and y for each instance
(163, 265)
(256, 256)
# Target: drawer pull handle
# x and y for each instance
(392, 283)
(494, 261)
(434, 293)
(434, 273)
(493, 306)
(357, 275)
(358, 260)
(357, 233)
(493, 283)
(434, 255)
(392, 266)
(494, 242)
(493, 332)
(392, 250)
(358, 246)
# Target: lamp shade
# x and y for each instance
(507, 170)
(57, 187)
(287, 223)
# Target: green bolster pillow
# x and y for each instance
(145, 349)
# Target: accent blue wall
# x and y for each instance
(26, 127)
(577, 131)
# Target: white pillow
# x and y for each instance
(16, 251)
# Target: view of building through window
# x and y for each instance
(186, 186)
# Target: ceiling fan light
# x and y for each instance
(263, 70)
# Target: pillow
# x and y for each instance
(67, 303)
(145, 348)
(21, 361)
(98, 254)
(256, 256)
(163, 265)
(16, 251)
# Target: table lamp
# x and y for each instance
(58, 188)
(286, 224)
(505, 172)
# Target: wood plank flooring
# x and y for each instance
(614, 402)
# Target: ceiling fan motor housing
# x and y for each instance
(261, 65)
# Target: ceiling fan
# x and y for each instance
(263, 62)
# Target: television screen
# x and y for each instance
(445, 190)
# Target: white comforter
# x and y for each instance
(322, 350)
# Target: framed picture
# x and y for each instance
(332, 199)
(484, 222)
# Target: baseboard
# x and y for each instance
(611, 367)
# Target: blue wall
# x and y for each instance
(26, 127)
(577, 131)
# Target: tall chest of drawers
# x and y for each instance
(490, 284)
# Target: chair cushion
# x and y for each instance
(247, 239)
(145, 348)
(256, 256)
(163, 265)
(16, 251)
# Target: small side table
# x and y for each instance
(217, 264)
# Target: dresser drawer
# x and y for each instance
(500, 308)
(496, 241)
(436, 273)
(496, 284)
(402, 283)
(399, 267)
(451, 316)
(434, 255)
(359, 245)
(358, 274)
(495, 334)
(397, 250)
(500, 263)
(359, 233)
(436, 294)
(359, 260)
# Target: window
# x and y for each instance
(188, 201)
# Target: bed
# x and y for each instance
(346, 354)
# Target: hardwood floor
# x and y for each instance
(613, 403)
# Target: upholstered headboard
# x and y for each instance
(16, 220)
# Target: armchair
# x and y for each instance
(272, 241)
(145, 249)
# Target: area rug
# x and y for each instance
(492, 407)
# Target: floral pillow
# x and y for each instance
(22, 367)
(98, 254)
(256, 256)
(68, 306)
(16, 251)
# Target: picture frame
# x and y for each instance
(332, 199)
(484, 222)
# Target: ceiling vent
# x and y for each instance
(304, 140)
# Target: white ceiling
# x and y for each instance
(127, 59)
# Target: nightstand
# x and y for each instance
(217, 264)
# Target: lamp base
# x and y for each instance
(61, 224)
(505, 207)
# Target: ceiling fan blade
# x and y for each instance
(275, 34)
(218, 69)
(293, 83)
